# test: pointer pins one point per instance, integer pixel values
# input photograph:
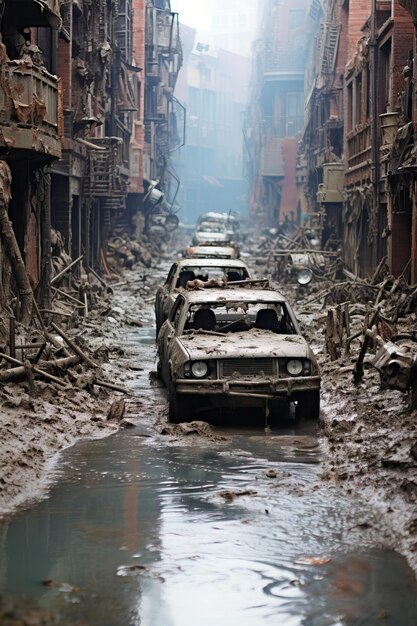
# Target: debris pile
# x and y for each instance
(287, 257)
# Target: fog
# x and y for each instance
(193, 13)
(229, 25)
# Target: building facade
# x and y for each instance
(213, 88)
(274, 117)
(87, 128)
(357, 98)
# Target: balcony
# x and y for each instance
(283, 126)
(104, 178)
(29, 109)
(331, 189)
(282, 64)
(359, 148)
(162, 31)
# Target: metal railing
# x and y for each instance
(359, 146)
(283, 126)
(282, 62)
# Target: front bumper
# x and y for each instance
(267, 389)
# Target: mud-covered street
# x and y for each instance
(217, 520)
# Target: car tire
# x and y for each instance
(308, 405)
(177, 406)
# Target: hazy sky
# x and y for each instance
(194, 12)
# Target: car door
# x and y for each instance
(167, 335)
(161, 296)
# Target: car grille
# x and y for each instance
(247, 367)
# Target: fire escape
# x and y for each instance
(163, 61)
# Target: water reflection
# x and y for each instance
(142, 533)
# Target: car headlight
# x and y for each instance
(199, 369)
(294, 367)
(304, 276)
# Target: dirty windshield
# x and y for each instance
(207, 273)
(237, 316)
(211, 227)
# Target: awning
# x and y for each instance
(25, 13)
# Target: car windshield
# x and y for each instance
(211, 227)
(239, 316)
(205, 274)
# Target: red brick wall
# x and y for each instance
(64, 70)
(138, 138)
(402, 43)
(359, 11)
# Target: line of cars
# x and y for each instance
(228, 340)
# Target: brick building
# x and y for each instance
(356, 101)
(274, 116)
(87, 128)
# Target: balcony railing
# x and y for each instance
(359, 147)
(282, 62)
(104, 177)
(29, 103)
(284, 126)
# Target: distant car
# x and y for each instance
(208, 232)
(236, 346)
(213, 250)
(227, 219)
(186, 270)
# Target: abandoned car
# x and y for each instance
(210, 232)
(233, 347)
(212, 250)
(188, 270)
(229, 220)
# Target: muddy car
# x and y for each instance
(229, 221)
(210, 232)
(213, 250)
(188, 270)
(236, 347)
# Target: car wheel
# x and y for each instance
(177, 406)
(308, 405)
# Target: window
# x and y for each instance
(358, 99)
(209, 105)
(193, 98)
(349, 107)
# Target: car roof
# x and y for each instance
(234, 294)
(212, 262)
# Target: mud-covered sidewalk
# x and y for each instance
(369, 432)
(369, 435)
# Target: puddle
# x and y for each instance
(139, 533)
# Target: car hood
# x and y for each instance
(249, 344)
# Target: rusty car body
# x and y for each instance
(235, 347)
(397, 365)
(185, 270)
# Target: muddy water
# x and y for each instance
(235, 530)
